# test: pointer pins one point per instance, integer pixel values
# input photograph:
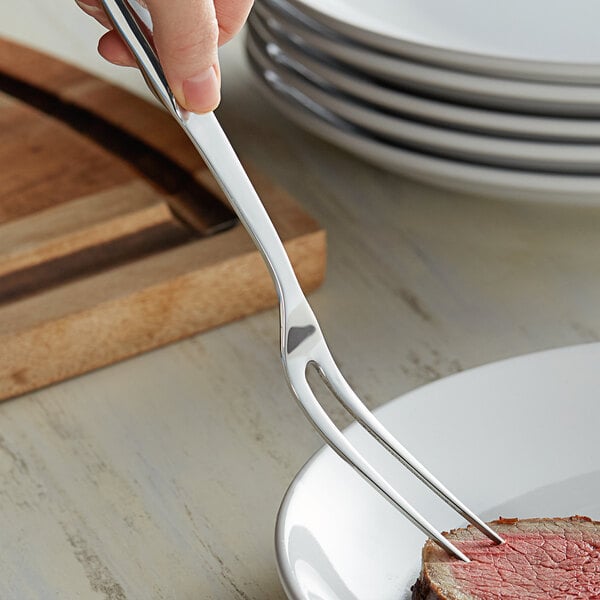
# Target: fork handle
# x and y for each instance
(211, 142)
(213, 145)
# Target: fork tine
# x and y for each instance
(340, 444)
(331, 374)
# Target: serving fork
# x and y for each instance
(302, 343)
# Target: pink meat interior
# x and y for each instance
(538, 565)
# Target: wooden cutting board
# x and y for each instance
(114, 238)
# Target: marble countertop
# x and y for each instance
(160, 477)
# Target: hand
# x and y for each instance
(187, 34)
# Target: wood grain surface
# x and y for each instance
(160, 477)
(109, 228)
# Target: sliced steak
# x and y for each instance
(541, 559)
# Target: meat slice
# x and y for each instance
(541, 559)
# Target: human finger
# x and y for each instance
(113, 49)
(231, 16)
(186, 34)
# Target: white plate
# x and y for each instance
(555, 41)
(403, 103)
(481, 149)
(527, 96)
(464, 177)
(514, 438)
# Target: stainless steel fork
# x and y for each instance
(302, 342)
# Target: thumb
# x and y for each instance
(186, 36)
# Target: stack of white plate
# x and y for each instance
(500, 99)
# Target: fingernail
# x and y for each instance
(202, 92)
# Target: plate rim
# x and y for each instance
(490, 91)
(371, 91)
(473, 179)
(456, 144)
(563, 72)
(290, 584)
